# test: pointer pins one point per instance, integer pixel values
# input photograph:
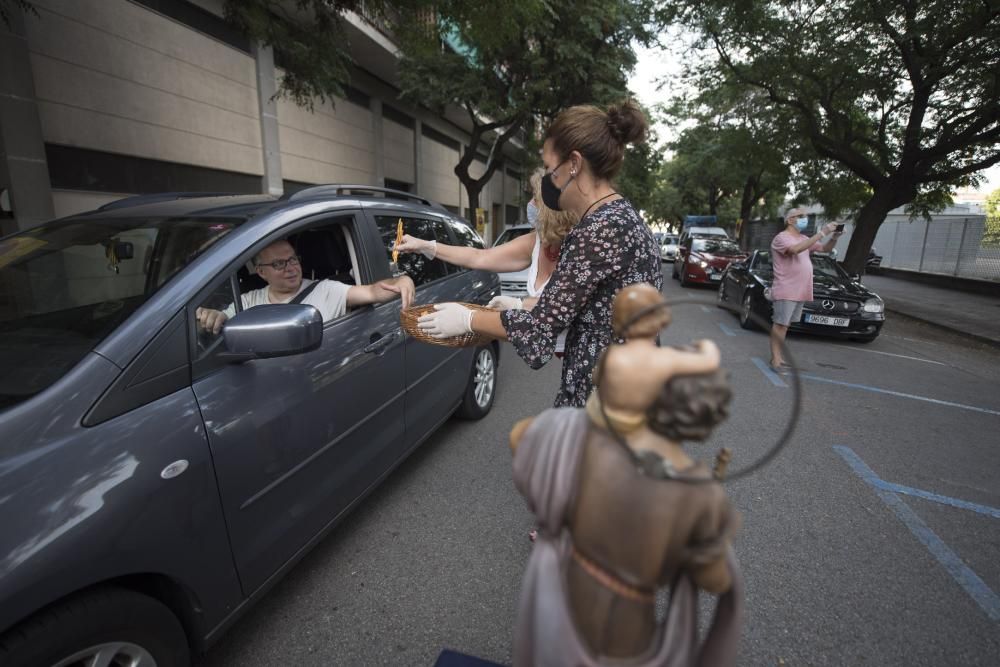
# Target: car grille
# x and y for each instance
(838, 306)
(514, 287)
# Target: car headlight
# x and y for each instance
(703, 264)
(874, 306)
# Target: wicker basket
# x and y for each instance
(408, 318)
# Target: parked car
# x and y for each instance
(873, 262)
(841, 305)
(514, 283)
(704, 259)
(156, 480)
(701, 232)
(668, 248)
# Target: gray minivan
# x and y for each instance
(155, 480)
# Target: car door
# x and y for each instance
(296, 440)
(435, 375)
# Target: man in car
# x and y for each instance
(281, 269)
(793, 275)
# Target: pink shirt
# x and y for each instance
(793, 273)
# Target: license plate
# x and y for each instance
(717, 276)
(829, 321)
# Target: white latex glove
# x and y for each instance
(412, 244)
(506, 303)
(447, 320)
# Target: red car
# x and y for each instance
(703, 260)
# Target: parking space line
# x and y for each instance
(863, 387)
(977, 589)
(727, 330)
(893, 354)
(768, 373)
(943, 500)
(706, 309)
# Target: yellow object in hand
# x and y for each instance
(399, 239)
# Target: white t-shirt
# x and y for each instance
(537, 292)
(329, 297)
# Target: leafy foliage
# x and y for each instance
(903, 97)
(992, 236)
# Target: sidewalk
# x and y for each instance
(971, 314)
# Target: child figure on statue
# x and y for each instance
(623, 511)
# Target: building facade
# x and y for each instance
(101, 99)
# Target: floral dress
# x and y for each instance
(607, 250)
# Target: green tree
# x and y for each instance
(992, 236)
(903, 96)
(509, 69)
(640, 172)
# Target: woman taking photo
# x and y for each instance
(609, 248)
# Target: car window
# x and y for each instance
(826, 266)
(418, 267)
(320, 252)
(511, 234)
(67, 284)
(714, 246)
(466, 235)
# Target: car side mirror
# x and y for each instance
(273, 330)
(856, 277)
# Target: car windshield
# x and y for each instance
(669, 240)
(826, 266)
(823, 265)
(66, 285)
(511, 234)
(715, 246)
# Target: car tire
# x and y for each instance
(482, 388)
(131, 627)
(746, 309)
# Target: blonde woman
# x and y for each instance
(537, 252)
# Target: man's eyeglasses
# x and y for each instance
(280, 264)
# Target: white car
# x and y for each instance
(668, 248)
(516, 282)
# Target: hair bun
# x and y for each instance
(627, 122)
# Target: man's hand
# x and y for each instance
(448, 320)
(403, 286)
(410, 244)
(210, 320)
(829, 228)
(505, 303)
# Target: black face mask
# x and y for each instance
(550, 193)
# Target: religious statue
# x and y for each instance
(623, 512)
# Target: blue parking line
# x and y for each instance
(977, 589)
(816, 378)
(727, 330)
(768, 373)
(706, 309)
(938, 498)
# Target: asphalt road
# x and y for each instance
(873, 539)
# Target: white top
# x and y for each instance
(329, 297)
(537, 292)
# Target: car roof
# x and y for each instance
(210, 204)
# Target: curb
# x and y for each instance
(992, 342)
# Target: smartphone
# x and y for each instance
(839, 227)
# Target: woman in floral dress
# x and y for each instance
(609, 248)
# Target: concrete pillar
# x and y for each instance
(24, 172)
(418, 154)
(378, 144)
(273, 181)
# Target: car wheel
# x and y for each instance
(110, 626)
(746, 312)
(482, 387)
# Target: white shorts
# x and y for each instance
(786, 312)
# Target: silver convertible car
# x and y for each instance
(156, 476)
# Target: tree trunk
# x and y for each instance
(869, 219)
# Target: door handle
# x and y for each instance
(379, 342)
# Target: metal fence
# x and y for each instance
(952, 245)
